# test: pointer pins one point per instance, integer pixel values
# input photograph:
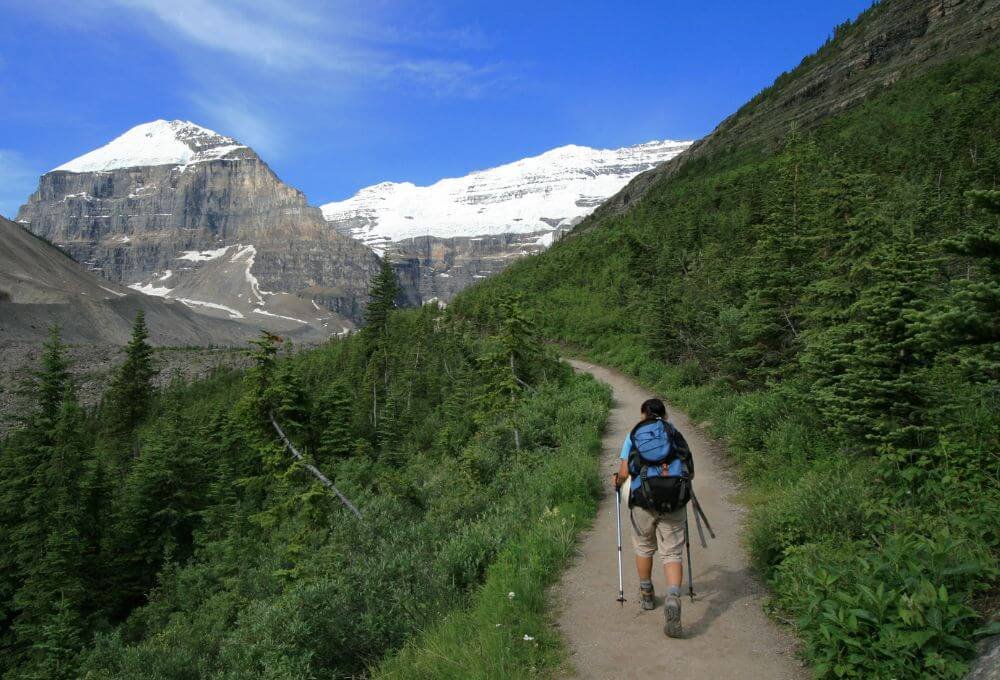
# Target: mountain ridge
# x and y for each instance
(532, 194)
(889, 41)
(40, 285)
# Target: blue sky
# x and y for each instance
(339, 95)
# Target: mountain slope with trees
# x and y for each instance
(829, 303)
(168, 534)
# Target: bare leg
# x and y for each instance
(644, 565)
(674, 572)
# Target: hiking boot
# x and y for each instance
(672, 616)
(646, 597)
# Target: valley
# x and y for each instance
(243, 435)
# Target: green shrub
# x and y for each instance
(829, 503)
(902, 611)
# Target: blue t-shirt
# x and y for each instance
(675, 469)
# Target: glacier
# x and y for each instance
(541, 193)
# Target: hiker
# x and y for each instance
(658, 461)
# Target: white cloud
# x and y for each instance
(261, 31)
(17, 181)
(326, 38)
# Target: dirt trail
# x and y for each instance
(726, 635)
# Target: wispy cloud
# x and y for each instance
(235, 115)
(17, 180)
(326, 37)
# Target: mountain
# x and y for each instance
(898, 39)
(818, 283)
(445, 236)
(40, 285)
(176, 210)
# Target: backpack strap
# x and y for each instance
(679, 447)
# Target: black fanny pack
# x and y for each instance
(661, 494)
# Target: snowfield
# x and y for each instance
(534, 194)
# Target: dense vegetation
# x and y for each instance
(832, 306)
(172, 535)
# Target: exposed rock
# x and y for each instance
(147, 203)
(42, 286)
(987, 665)
(431, 268)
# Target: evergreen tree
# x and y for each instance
(49, 383)
(512, 360)
(777, 267)
(131, 389)
(969, 320)
(880, 397)
(334, 423)
(50, 600)
(382, 300)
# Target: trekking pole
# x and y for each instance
(687, 542)
(618, 532)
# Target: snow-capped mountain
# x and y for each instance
(446, 236)
(175, 210)
(534, 194)
(161, 142)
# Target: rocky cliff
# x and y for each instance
(176, 210)
(434, 269)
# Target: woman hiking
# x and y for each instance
(659, 470)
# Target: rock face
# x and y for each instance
(444, 237)
(176, 210)
(433, 269)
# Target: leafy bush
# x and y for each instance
(902, 611)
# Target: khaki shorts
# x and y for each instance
(656, 531)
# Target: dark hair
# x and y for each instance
(654, 408)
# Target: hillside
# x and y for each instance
(169, 533)
(817, 280)
(40, 286)
(892, 41)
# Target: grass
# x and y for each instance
(506, 630)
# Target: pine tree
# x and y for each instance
(261, 377)
(159, 507)
(382, 300)
(778, 272)
(50, 600)
(880, 398)
(50, 381)
(511, 361)
(131, 389)
(334, 423)
(969, 320)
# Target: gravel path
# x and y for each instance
(726, 635)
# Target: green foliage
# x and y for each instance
(131, 391)
(196, 546)
(900, 612)
(830, 305)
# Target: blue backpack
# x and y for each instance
(661, 467)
